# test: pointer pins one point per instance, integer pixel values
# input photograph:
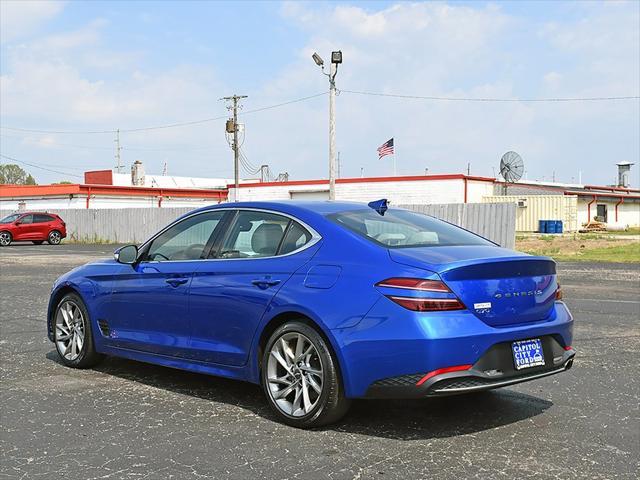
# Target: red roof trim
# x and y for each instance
(68, 189)
(616, 189)
(601, 195)
(408, 178)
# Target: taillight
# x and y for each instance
(428, 304)
(422, 304)
(415, 284)
(559, 292)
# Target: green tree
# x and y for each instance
(14, 175)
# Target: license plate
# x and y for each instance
(527, 353)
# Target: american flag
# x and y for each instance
(385, 149)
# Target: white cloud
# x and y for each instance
(459, 51)
(21, 17)
(67, 80)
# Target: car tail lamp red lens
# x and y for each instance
(422, 304)
(415, 284)
(559, 294)
(428, 304)
(440, 371)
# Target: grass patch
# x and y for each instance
(618, 254)
(587, 248)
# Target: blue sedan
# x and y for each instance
(320, 303)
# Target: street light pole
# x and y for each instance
(332, 131)
(336, 58)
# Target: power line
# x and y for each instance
(159, 127)
(37, 166)
(126, 147)
(470, 99)
(283, 104)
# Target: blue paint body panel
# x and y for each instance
(213, 321)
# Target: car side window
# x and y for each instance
(26, 219)
(42, 218)
(186, 240)
(254, 234)
(296, 237)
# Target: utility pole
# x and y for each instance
(118, 149)
(332, 131)
(232, 127)
(336, 59)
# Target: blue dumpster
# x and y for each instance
(542, 226)
(558, 226)
(551, 226)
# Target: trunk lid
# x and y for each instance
(500, 286)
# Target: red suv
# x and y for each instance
(34, 226)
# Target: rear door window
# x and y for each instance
(254, 234)
(296, 237)
(40, 218)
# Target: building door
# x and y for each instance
(602, 213)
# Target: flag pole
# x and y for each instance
(395, 171)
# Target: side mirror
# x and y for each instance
(127, 254)
(17, 222)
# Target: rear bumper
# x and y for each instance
(492, 370)
(394, 345)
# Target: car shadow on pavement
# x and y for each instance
(395, 419)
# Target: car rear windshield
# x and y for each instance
(10, 218)
(405, 229)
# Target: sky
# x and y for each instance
(87, 67)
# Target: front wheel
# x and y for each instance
(54, 238)
(5, 239)
(301, 379)
(72, 333)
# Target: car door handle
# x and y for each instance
(265, 282)
(174, 282)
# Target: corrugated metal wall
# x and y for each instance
(134, 225)
(122, 225)
(541, 207)
(493, 221)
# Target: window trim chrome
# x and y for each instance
(315, 236)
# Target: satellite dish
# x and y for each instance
(511, 167)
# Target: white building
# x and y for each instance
(573, 204)
(612, 205)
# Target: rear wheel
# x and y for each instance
(37, 242)
(301, 379)
(5, 239)
(72, 333)
(54, 238)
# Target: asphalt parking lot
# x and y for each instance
(130, 420)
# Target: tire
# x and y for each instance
(5, 239)
(287, 396)
(71, 318)
(54, 237)
(37, 242)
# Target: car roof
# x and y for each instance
(32, 213)
(322, 207)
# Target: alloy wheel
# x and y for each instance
(294, 374)
(54, 238)
(5, 238)
(69, 330)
